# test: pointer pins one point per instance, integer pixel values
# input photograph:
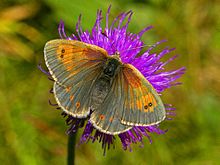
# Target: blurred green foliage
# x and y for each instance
(32, 132)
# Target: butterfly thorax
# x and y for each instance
(103, 83)
(111, 67)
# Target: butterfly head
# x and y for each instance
(116, 56)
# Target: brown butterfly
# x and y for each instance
(91, 83)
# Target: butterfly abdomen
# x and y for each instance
(100, 91)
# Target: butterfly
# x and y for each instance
(89, 83)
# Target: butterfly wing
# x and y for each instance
(74, 100)
(68, 59)
(74, 66)
(106, 117)
(142, 104)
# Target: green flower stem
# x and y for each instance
(71, 149)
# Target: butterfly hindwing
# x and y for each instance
(74, 100)
(142, 104)
(106, 117)
(67, 59)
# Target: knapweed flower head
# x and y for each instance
(114, 37)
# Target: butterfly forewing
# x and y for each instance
(142, 104)
(67, 59)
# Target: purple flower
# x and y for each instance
(115, 38)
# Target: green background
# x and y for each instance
(32, 132)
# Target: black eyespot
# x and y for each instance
(150, 104)
(145, 107)
(63, 51)
(61, 56)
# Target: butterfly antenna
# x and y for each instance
(112, 45)
(153, 46)
(117, 53)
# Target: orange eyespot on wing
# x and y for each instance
(71, 97)
(143, 105)
(67, 59)
(77, 104)
(68, 89)
(111, 119)
(102, 117)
